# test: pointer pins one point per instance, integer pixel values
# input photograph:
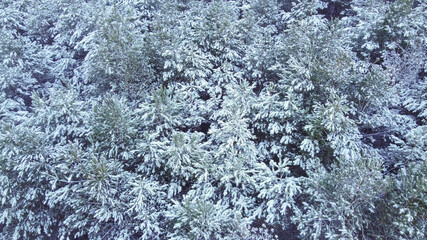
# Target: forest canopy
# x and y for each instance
(191, 119)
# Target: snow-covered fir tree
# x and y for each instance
(195, 119)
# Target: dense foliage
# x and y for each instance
(190, 119)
